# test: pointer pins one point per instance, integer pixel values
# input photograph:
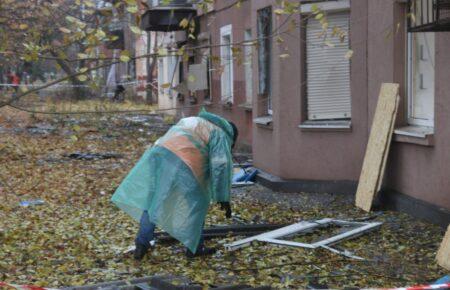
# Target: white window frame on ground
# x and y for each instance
(226, 61)
(416, 82)
(248, 53)
(328, 93)
(275, 237)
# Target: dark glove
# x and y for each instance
(225, 206)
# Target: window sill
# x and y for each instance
(264, 122)
(418, 135)
(345, 126)
(246, 106)
(207, 103)
(227, 105)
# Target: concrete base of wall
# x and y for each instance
(393, 200)
(317, 186)
(386, 200)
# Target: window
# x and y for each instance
(248, 49)
(264, 27)
(172, 74)
(328, 69)
(198, 77)
(226, 59)
(421, 54)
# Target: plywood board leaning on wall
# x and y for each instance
(443, 255)
(378, 146)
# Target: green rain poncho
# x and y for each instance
(176, 180)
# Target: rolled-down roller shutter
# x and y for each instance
(328, 70)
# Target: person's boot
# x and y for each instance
(140, 251)
(201, 252)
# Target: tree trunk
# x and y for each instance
(79, 91)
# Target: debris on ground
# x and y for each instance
(244, 177)
(27, 203)
(347, 230)
(74, 239)
(92, 156)
(43, 129)
(443, 280)
(161, 283)
(378, 146)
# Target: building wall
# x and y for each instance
(210, 25)
(312, 155)
(416, 170)
(240, 21)
(378, 39)
(281, 148)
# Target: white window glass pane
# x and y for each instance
(421, 87)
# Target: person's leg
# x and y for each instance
(201, 249)
(146, 230)
(144, 236)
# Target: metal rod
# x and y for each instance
(285, 231)
(343, 253)
(223, 231)
(347, 234)
(287, 243)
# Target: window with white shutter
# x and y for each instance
(328, 69)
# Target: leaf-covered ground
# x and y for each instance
(77, 237)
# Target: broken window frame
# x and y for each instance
(264, 32)
(274, 237)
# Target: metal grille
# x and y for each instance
(429, 15)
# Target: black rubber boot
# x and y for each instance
(140, 251)
(201, 252)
